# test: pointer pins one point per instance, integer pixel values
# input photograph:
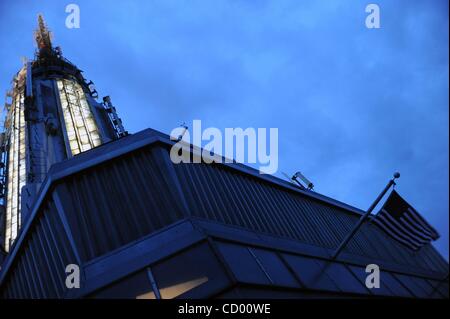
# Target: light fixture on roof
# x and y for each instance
(297, 177)
(308, 184)
(293, 181)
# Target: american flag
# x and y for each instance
(403, 223)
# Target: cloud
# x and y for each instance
(352, 105)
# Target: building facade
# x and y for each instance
(52, 114)
(137, 225)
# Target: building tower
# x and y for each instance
(52, 114)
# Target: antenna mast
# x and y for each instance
(43, 37)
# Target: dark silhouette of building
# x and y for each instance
(140, 226)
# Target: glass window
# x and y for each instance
(344, 279)
(361, 274)
(194, 273)
(394, 285)
(439, 289)
(311, 272)
(424, 284)
(82, 131)
(16, 167)
(136, 286)
(412, 284)
(275, 268)
(243, 265)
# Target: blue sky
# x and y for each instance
(352, 105)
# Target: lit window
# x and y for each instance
(195, 271)
(135, 286)
(82, 131)
(16, 177)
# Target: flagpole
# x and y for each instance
(358, 225)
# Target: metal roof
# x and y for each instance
(110, 198)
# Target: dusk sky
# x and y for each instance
(352, 105)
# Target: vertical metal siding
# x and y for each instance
(225, 196)
(130, 196)
(118, 202)
(222, 194)
(39, 270)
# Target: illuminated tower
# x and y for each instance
(51, 115)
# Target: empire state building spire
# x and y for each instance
(52, 114)
(43, 37)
